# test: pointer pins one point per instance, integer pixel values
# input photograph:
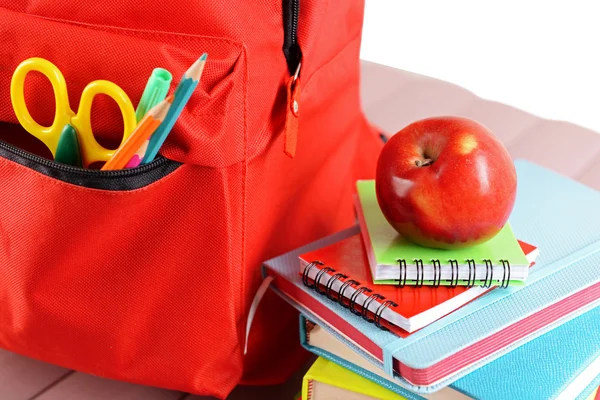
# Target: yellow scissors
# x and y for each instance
(91, 150)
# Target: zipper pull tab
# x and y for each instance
(291, 116)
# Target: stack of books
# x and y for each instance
(390, 319)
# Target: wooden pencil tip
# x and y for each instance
(195, 71)
(159, 112)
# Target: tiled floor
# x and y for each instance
(391, 99)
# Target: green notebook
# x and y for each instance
(393, 259)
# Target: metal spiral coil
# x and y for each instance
(420, 272)
(320, 274)
(379, 312)
(307, 270)
(506, 274)
(365, 307)
(437, 272)
(329, 285)
(401, 273)
(354, 297)
(489, 274)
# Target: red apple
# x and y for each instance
(446, 182)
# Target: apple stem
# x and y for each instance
(424, 163)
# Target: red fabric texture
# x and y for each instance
(153, 285)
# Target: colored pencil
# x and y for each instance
(183, 92)
(155, 91)
(137, 158)
(142, 132)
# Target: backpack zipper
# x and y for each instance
(293, 56)
(125, 179)
(291, 48)
(77, 170)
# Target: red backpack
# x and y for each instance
(146, 275)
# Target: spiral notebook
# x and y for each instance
(564, 283)
(499, 261)
(341, 272)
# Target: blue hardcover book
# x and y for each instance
(555, 213)
(561, 364)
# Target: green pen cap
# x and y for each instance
(156, 91)
(68, 151)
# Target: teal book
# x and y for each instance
(562, 364)
(393, 259)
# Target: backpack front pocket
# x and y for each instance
(125, 274)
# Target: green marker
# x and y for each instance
(68, 151)
(156, 90)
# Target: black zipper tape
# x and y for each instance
(291, 48)
(120, 180)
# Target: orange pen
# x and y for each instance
(142, 132)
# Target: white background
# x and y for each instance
(539, 56)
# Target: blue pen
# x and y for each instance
(183, 92)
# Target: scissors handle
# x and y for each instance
(49, 135)
(91, 149)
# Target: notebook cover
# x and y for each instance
(328, 372)
(387, 245)
(548, 363)
(348, 256)
(540, 369)
(568, 264)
